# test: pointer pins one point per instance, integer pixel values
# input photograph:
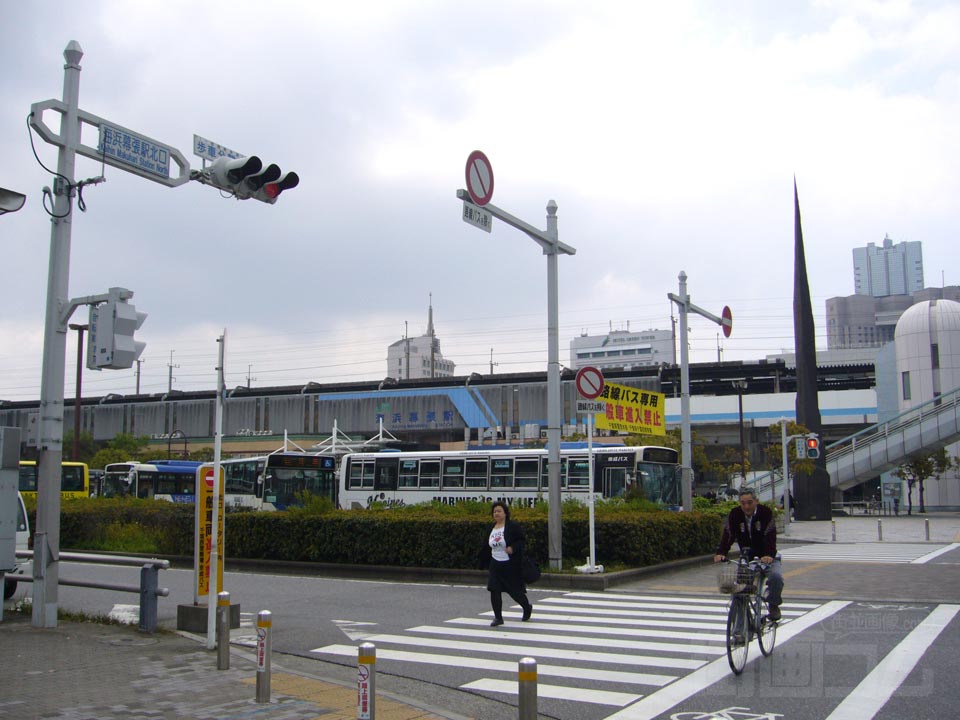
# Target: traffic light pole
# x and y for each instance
(46, 565)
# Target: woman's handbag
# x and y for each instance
(529, 570)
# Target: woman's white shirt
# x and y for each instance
(498, 545)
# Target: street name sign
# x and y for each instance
(209, 150)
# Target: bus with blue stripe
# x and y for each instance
(170, 480)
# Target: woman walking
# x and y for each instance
(502, 555)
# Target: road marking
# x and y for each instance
(580, 640)
(805, 569)
(878, 686)
(659, 702)
(936, 553)
(555, 692)
(523, 650)
(127, 614)
(565, 624)
(860, 552)
(507, 666)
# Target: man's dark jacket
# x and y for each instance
(760, 541)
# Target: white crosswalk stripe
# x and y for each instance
(872, 552)
(590, 647)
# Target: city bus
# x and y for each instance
(518, 477)
(171, 480)
(74, 479)
(277, 481)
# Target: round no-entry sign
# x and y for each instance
(479, 178)
(726, 318)
(208, 477)
(589, 382)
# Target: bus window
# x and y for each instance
(527, 470)
(453, 473)
(476, 474)
(430, 473)
(501, 473)
(578, 474)
(409, 473)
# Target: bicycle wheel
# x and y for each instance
(767, 630)
(738, 633)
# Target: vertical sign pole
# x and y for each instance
(46, 566)
(216, 530)
(554, 529)
(590, 475)
(686, 443)
(786, 478)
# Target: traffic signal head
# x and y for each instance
(813, 447)
(111, 343)
(248, 178)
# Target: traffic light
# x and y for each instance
(111, 343)
(813, 447)
(247, 177)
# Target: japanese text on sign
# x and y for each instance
(477, 216)
(134, 150)
(205, 535)
(632, 410)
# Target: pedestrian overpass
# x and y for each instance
(884, 446)
(887, 445)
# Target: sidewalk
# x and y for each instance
(92, 671)
(944, 528)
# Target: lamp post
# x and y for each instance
(76, 404)
(180, 435)
(740, 386)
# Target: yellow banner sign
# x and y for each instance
(204, 525)
(632, 410)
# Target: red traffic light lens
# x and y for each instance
(812, 442)
(272, 190)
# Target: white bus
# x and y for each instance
(518, 477)
(170, 480)
(278, 480)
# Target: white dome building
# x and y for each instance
(927, 341)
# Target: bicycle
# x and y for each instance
(748, 613)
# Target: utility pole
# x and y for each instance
(492, 363)
(249, 367)
(138, 374)
(171, 378)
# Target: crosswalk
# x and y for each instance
(872, 552)
(601, 649)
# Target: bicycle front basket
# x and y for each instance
(733, 578)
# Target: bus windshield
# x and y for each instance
(661, 483)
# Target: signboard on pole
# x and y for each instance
(591, 407)
(204, 533)
(633, 410)
(135, 150)
(477, 216)
(479, 174)
(726, 321)
(589, 382)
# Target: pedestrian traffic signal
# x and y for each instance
(247, 177)
(112, 326)
(813, 447)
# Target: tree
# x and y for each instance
(673, 439)
(122, 448)
(87, 446)
(917, 470)
(204, 454)
(774, 452)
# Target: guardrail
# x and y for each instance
(148, 588)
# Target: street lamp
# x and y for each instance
(386, 381)
(76, 405)
(741, 385)
(473, 376)
(179, 434)
(11, 201)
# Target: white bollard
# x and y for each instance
(264, 631)
(833, 530)
(879, 529)
(367, 682)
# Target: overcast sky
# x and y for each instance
(668, 133)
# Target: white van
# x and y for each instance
(23, 543)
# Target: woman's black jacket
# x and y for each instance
(514, 537)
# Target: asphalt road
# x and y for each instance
(871, 631)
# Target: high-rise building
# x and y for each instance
(418, 357)
(888, 270)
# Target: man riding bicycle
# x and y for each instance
(753, 527)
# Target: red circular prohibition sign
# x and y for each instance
(479, 175)
(589, 382)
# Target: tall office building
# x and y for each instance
(888, 270)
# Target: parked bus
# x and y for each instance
(171, 480)
(518, 477)
(278, 480)
(74, 479)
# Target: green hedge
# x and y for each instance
(416, 537)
